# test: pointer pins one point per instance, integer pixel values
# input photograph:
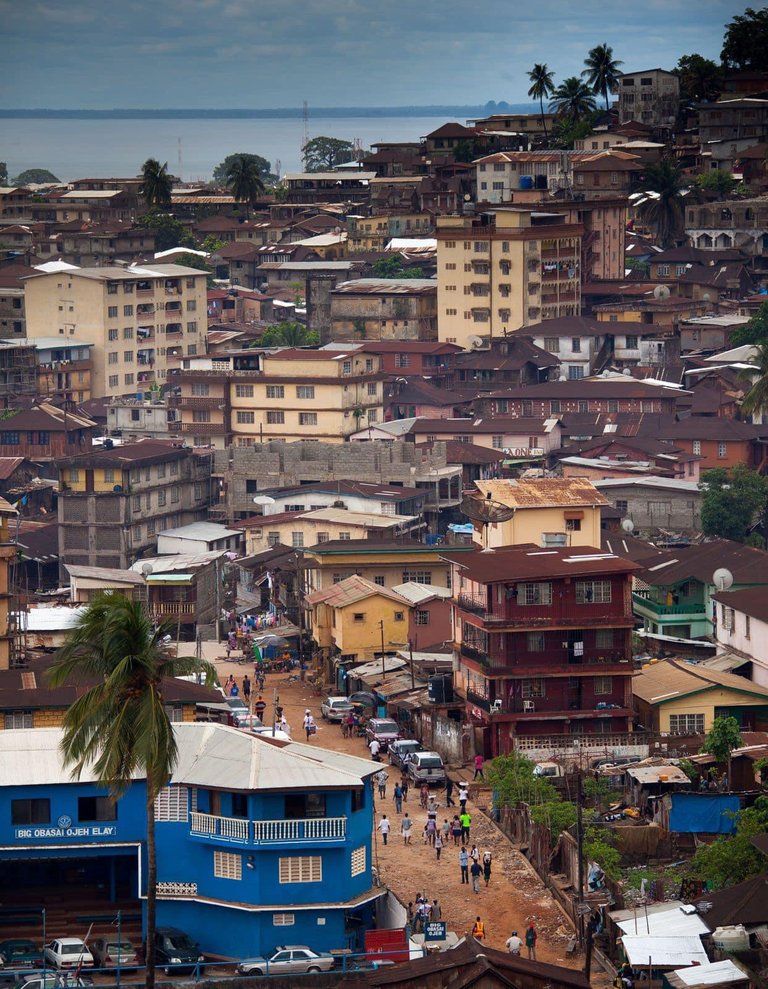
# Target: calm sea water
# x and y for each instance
(73, 149)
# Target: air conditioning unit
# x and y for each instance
(496, 706)
(528, 706)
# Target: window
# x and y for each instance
(344, 535)
(200, 388)
(573, 525)
(112, 288)
(358, 616)
(722, 449)
(9, 438)
(622, 505)
(190, 282)
(422, 618)
(37, 811)
(613, 405)
(379, 580)
(128, 356)
(404, 360)
(113, 357)
(161, 498)
(300, 806)
(283, 919)
(202, 415)
(551, 344)
(373, 415)
(357, 861)
(532, 688)
(603, 685)
(297, 539)
(275, 418)
(497, 442)
(575, 373)
(554, 405)
(576, 345)
(697, 447)
(346, 367)
(323, 537)
(243, 391)
(17, 719)
(174, 494)
(112, 312)
(114, 380)
(632, 343)
(417, 576)
(686, 724)
(227, 865)
(273, 538)
(96, 809)
(536, 642)
(539, 593)
(746, 626)
(727, 618)
(275, 391)
(246, 418)
(307, 418)
(604, 638)
(112, 334)
(300, 869)
(593, 592)
(127, 310)
(128, 333)
(191, 305)
(305, 391)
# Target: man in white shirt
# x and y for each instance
(514, 944)
(375, 748)
(384, 827)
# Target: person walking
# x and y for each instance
(247, 690)
(424, 795)
(464, 865)
(487, 860)
(478, 929)
(384, 827)
(435, 912)
(479, 762)
(404, 784)
(466, 824)
(406, 826)
(260, 707)
(456, 830)
(449, 801)
(531, 937)
(375, 747)
(438, 843)
(475, 871)
(463, 795)
(309, 724)
(514, 944)
(430, 830)
(446, 830)
(381, 783)
(398, 798)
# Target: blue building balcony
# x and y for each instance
(266, 834)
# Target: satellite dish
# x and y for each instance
(562, 378)
(263, 500)
(661, 292)
(483, 510)
(628, 526)
(475, 343)
(146, 569)
(706, 297)
(627, 372)
(722, 578)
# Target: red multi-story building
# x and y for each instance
(544, 642)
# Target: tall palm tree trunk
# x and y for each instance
(151, 887)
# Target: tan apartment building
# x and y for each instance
(245, 398)
(384, 309)
(510, 176)
(503, 269)
(373, 233)
(140, 319)
(652, 97)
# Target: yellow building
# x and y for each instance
(139, 319)
(673, 697)
(503, 269)
(348, 618)
(546, 512)
(300, 529)
(373, 233)
(8, 552)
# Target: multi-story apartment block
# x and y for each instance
(544, 642)
(651, 97)
(504, 269)
(739, 119)
(139, 319)
(505, 176)
(384, 309)
(742, 224)
(373, 233)
(244, 398)
(113, 502)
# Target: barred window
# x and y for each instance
(275, 418)
(283, 919)
(17, 719)
(536, 642)
(227, 865)
(686, 724)
(417, 576)
(604, 638)
(300, 869)
(307, 418)
(603, 685)
(593, 592)
(246, 418)
(275, 391)
(305, 391)
(171, 804)
(244, 391)
(539, 593)
(358, 861)
(532, 688)
(422, 617)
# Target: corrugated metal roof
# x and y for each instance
(49, 619)
(350, 590)
(722, 973)
(654, 774)
(31, 757)
(571, 491)
(207, 531)
(416, 593)
(387, 286)
(107, 574)
(660, 918)
(391, 663)
(168, 564)
(664, 952)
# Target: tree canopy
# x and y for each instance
(32, 176)
(156, 183)
(664, 207)
(602, 71)
(717, 181)
(756, 400)
(169, 232)
(731, 859)
(745, 45)
(732, 501)
(755, 330)
(262, 166)
(572, 100)
(700, 78)
(393, 267)
(289, 334)
(542, 87)
(244, 181)
(323, 153)
(723, 737)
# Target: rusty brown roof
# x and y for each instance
(566, 492)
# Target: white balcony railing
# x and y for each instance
(232, 828)
(312, 829)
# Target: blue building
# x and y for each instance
(258, 842)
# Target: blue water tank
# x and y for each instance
(526, 181)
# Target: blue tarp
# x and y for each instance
(703, 813)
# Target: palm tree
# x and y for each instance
(119, 726)
(663, 208)
(542, 84)
(289, 334)
(756, 399)
(157, 183)
(602, 71)
(243, 180)
(572, 100)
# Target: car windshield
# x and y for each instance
(181, 942)
(235, 702)
(385, 727)
(432, 762)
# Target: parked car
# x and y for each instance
(287, 959)
(335, 708)
(68, 952)
(53, 980)
(266, 730)
(109, 953)
(384, 730)
(175, 951)
(426, 767)
(20, 953)
(401, 748)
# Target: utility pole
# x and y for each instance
(410, 658)
(580, 857)
(383, 664)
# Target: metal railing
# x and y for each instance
(232, 828)
(265, 832)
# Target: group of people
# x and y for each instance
(421, 912)
(471, 865)
(515, 942)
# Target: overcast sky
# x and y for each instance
(267, 53)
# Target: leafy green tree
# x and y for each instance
(513, 781)
(754, 331)
(559, 815)
(392, 267)
(119, 726)
(211, 244)
(262, 166)
(572, 100)
(566, 132)
(324, 153)
(34, 176)
(289, 334)
(724, 736)
(700, 78)
(717, 181)
(690, 769)
(664, 206)
(3, 173)
(602, 71)
(745, 45)
(156, 183)
(731, 859)
(732, 501)
(243, 180)
(756, 399)
(169, 232)
(597, 848)
(542, 87)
